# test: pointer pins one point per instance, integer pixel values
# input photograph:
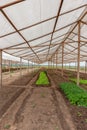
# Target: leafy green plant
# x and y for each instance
(82, 81)
(75, 94)
(42, 80)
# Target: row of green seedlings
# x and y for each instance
(75, 94)
(43, 79)
(81, 81)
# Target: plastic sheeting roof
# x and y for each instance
(36, 29)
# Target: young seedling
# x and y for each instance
(42, 95)
(79, 114)
(33, 105)
(86, 120)
(7, 126)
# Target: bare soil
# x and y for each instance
(24, 79)
(42, 108)
(7, 97)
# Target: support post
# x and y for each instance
(69, 65)
(56, 61)
(75, 66)
(48, 64)
(28, 65)
(9, 67)
(53, 63)
(62, 56)
(0, 68)
(78, 57)
(20, 67)
(85, 66)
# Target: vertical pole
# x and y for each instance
(32, 67)
(9, 67)
(75, 66)
(0, 68)
(28, 65)
(17, 65)
(53, 62)
(20, 67)
(78, 58)
(62, 56)
(85, 66)
(48, 64)
(69, 65)
(56, 61)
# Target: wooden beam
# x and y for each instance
(20, 67)
(84, 22)
(10, 4)
(28, 27)
(43, 20)
(78, 57)
(58, 13)
(18, 32)
(0, 68)
(62, 57)
(85, 66)
(56, 59)
(79, 19)
(82, 6)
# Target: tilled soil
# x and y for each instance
(24, 79)
(79, 114)
(7, 97)
(39, 112)
(38, 108)
(44, 108)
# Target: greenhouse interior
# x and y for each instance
(43, 64)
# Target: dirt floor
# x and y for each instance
(7, 97)
(14, 79)
(42, 108)
(79, 114)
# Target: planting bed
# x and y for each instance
(79, 114)
(42, 79)
(74, 93)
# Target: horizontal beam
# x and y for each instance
(10, 4)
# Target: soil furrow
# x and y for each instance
(18, 116)
(59, 112)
